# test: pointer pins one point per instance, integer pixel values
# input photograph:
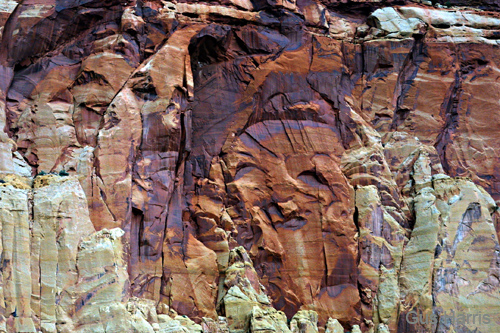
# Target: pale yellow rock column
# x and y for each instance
(381, 241)
(6, 163)
(418, 257)
(467, 263)
(44, 242)
(60, 221)
(16, 278)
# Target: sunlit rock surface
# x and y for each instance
(249, 166)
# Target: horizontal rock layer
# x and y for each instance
(249, 166)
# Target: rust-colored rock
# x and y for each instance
(249, 166)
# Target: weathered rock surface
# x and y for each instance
(249, 166)
(304, 321)
(333, 326)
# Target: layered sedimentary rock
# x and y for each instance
(454, 240)
(249, 166)
(16, 280)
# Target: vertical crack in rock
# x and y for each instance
(450, 111)
(17, 284)
(471, 215)
(406, 77)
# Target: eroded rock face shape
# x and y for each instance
(296, 210)
(249, 166)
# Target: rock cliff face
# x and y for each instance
(249, 166)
